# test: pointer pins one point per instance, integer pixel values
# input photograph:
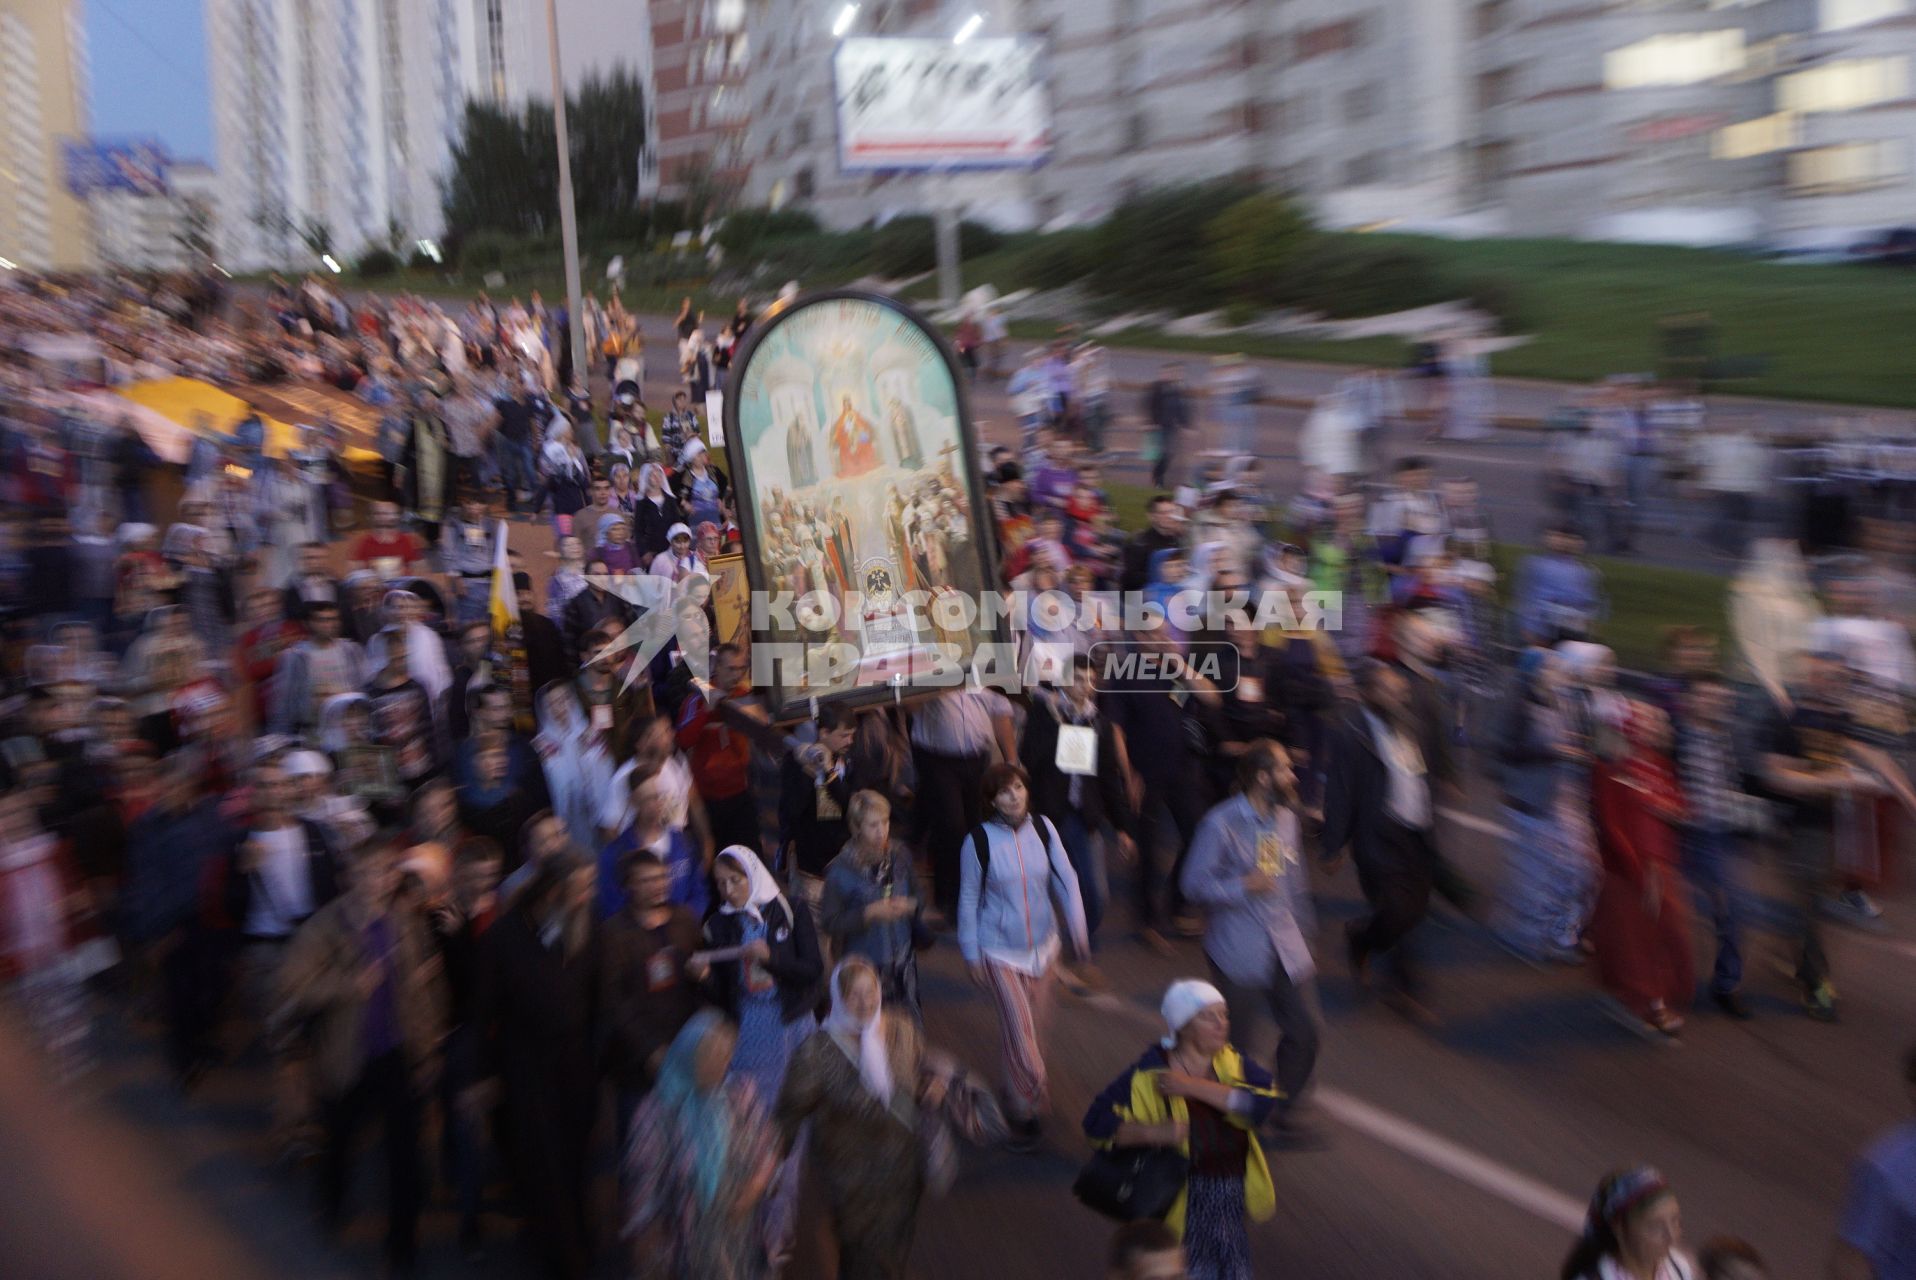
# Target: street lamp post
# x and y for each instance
(568, 218)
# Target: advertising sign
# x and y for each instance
(136, 165)
(906, 103)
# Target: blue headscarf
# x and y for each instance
(703, 1118)
(1159, 589)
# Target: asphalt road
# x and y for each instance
(1467, 1150)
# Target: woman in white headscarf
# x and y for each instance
(578, 769)
(425, 651)
(1772, 609)
(860, 1084)
(765, 974)
(1194, 1092)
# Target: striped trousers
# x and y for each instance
(1024, 1017)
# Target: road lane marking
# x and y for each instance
(1515, 1189)
(1518, 1190)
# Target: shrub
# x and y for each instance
(420, 260)
(1249, 245)
(904, 246)
(1059, 259)
(487, 250)
(1149, 252)
(1345, 276)
(377, 262)
(745, 230)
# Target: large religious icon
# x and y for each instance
(854, 466)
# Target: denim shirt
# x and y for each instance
(1246, 932)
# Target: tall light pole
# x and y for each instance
(568, 219)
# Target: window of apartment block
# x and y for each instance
(1491, 15)
(1331, 37)
(1844, 85)
(1847, 166)
(1363, 170)
(801, 131)
(1136, 134)
(1835, 15)
(1494, 88)
(803, 186)
(1687, 58)
(1765, 134)
(1361, 103)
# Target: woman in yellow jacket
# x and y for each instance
(1193, 1091)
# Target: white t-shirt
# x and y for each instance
(283, 888)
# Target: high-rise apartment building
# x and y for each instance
(335, 119)
(701, 53)
(43, 88)
(175, 230)
(1358, 105)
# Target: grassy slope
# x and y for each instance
(1828, 332)
(1831, 332)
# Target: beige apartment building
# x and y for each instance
(43, 89)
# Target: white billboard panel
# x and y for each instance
(919, 104)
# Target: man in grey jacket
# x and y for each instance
(1247, 870)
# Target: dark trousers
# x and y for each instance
(191, 989)
(949, 806)
(1807, 866)
(384, 1090)
(1709, 859)
(464, 1136)
(734, 820)
(1297, 1036)
(1729, 532)
(1167, 455)
(1396, 882)
(1181, 799)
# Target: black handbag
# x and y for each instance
(1132, 1183)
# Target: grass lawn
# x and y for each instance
(1826, 332)
(1823, 332)
(1829, 332)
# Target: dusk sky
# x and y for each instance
(149, 73)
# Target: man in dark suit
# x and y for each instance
(1420, 639)
(1377, 801)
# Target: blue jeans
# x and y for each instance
(1709, 859)
(515, 468)
(1087, 859)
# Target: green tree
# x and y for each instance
(1250, 246)
(504, 172)
(1150, 251)
(606, 122)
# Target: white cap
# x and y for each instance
(680, 528)
(1186, 998)
(307, 764)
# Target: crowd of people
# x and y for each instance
(289, 779)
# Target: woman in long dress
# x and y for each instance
(769, 988)
(1551, 868)
(1641, 926)
(699, 1164)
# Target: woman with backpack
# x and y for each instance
(1017, 894)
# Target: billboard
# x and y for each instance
(906, 103)
(136, 165)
